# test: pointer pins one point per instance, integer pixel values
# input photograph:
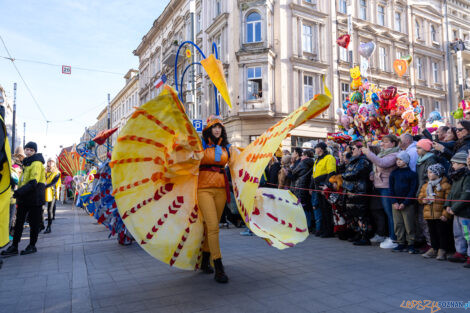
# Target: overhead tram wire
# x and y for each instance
(24, 81)
(58, 65)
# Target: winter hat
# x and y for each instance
(460, 157)
(32, 145)
(212, 120)
(437, 169)
(321, 145)
(404, 156)
(425, 144)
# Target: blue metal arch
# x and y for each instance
(214, 50)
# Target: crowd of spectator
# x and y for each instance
(407, 194)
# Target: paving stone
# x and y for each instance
(78, 269)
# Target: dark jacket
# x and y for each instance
(302, 176)
(460, 190)
(462, 145)
(403, 183)
(451, 148)
(422, 170)
(32, 188)
(291, 170)
(271, 175)
(356, 176)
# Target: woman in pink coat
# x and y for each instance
(384, 164)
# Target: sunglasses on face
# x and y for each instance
(459, 129)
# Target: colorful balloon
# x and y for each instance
(343, 41)
(366, 49)
(400, 66)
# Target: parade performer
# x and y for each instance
(213, 192)
(30, 196)
(165, 190)
(5, 190)
(52, 192)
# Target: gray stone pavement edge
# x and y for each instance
(79, 269)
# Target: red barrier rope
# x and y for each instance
(363, 195)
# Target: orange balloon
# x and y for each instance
(400, 66)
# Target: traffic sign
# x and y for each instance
(66, 69)
(198, 125)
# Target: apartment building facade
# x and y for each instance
(276, 53)
(458, 14)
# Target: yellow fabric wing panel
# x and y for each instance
(215, 71)
(258, 208)
(154, 168)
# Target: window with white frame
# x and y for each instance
(437, 105)
(435, 72)
(399, 54)
(218, 43)
(382, 58)
(397, 25)
(253, 27)
(419, 68)
(344, 91)
(418, 30)
(307, 38)
(433, 33)
(308, 87)
(218, 7)
(343, 6)
(343, 54)
(198, 22)
(363, 9)
(254, 89)
(381, 15)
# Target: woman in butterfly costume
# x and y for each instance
(213, 192)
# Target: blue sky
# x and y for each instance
(89, 34)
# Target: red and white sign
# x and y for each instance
(66, 69)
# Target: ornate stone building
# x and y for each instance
(275, 54)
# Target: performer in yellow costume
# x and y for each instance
(52, 191)
(5, 190)
(213, 192)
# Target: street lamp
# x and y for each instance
(457, 47)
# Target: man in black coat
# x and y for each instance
(302, 176)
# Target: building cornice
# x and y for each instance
(300, 8)
(217, 24)
(157, 25)
(297, 61)
(123, 91)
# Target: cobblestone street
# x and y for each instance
(78, 269)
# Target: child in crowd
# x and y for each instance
(403, 183)
(337, 205)
(434, 211)
(460, 176)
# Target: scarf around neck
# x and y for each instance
(430, 194)
(423, 158)
(388, 151)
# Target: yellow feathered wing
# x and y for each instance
(273, 214)
(154, 168)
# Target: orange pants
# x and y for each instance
(211, 203)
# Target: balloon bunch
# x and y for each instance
(370, 113)
(462, 111)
